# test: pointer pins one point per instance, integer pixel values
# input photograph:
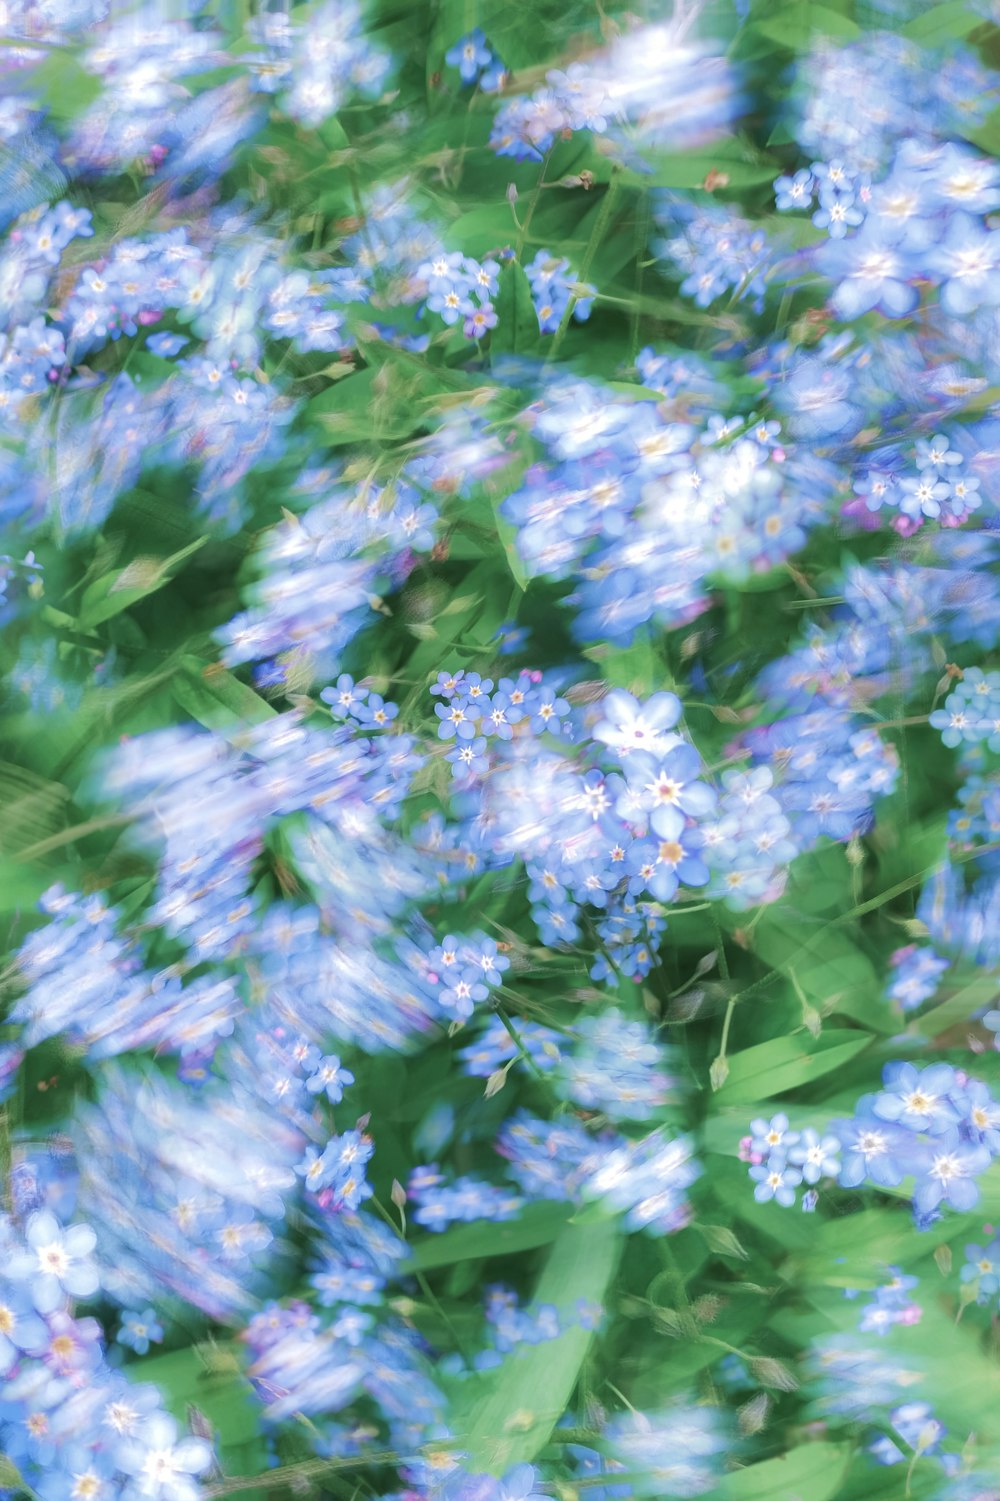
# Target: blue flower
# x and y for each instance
(923, 494)
(958, 721)
(470, 56)
(794, 192)
(872, 270)
(470, 758)
(872, 1149)
(817, 1156)
(918, 1099)
(346, 697)
(777, 1180)
(627, 725)
(968, 262)
(166, 1464)
(329, 1077)
(458, 718)
(166, 345)
(57, 1261)
(983, 1266)
(20, 1327)
(79, 1470)
(837, 215)
(547, 712)
(139, 1330)
(937, 453)
(448, 684)
(376, 711)
(669, 785)
(815, 396)
(659, 866)
(947, 1172)
(771, 1136)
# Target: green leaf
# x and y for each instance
(118, 590)
(537, 1225)
(10, 1475)
(517, 322)
(20, 886)
(794, 26)
(507, 1416)
(211, 1380)
(811, 1472)
(942, 23)
(824, 963)
(488, 228)
(31, 808)
(691, 169)
(67, 87)
(959, 1006)
(333, 135)
(721, 1240)
(387, 401)
(215, 698)
(508, 536)
(785, 1063)
(856, 1246)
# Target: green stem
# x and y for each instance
(518, 1042)
(290, 1477)
(596, 235)
(532, 204)
(727, 1019)
(6, 1158)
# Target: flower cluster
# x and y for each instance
(440, 1204)
(971, 712)
(935, 1125)
(500, 605)
(477, 63)
(71, 1422)
(781, 1160)
(891, 1305)
(556, 292)
(716, 251)
(916, 975)
(981, 1272)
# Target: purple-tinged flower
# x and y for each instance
(628, 725)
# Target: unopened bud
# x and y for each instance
(773, 1373)
(495, 1082)
(813, 1021)
(752, 1416)
(942, 1257)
